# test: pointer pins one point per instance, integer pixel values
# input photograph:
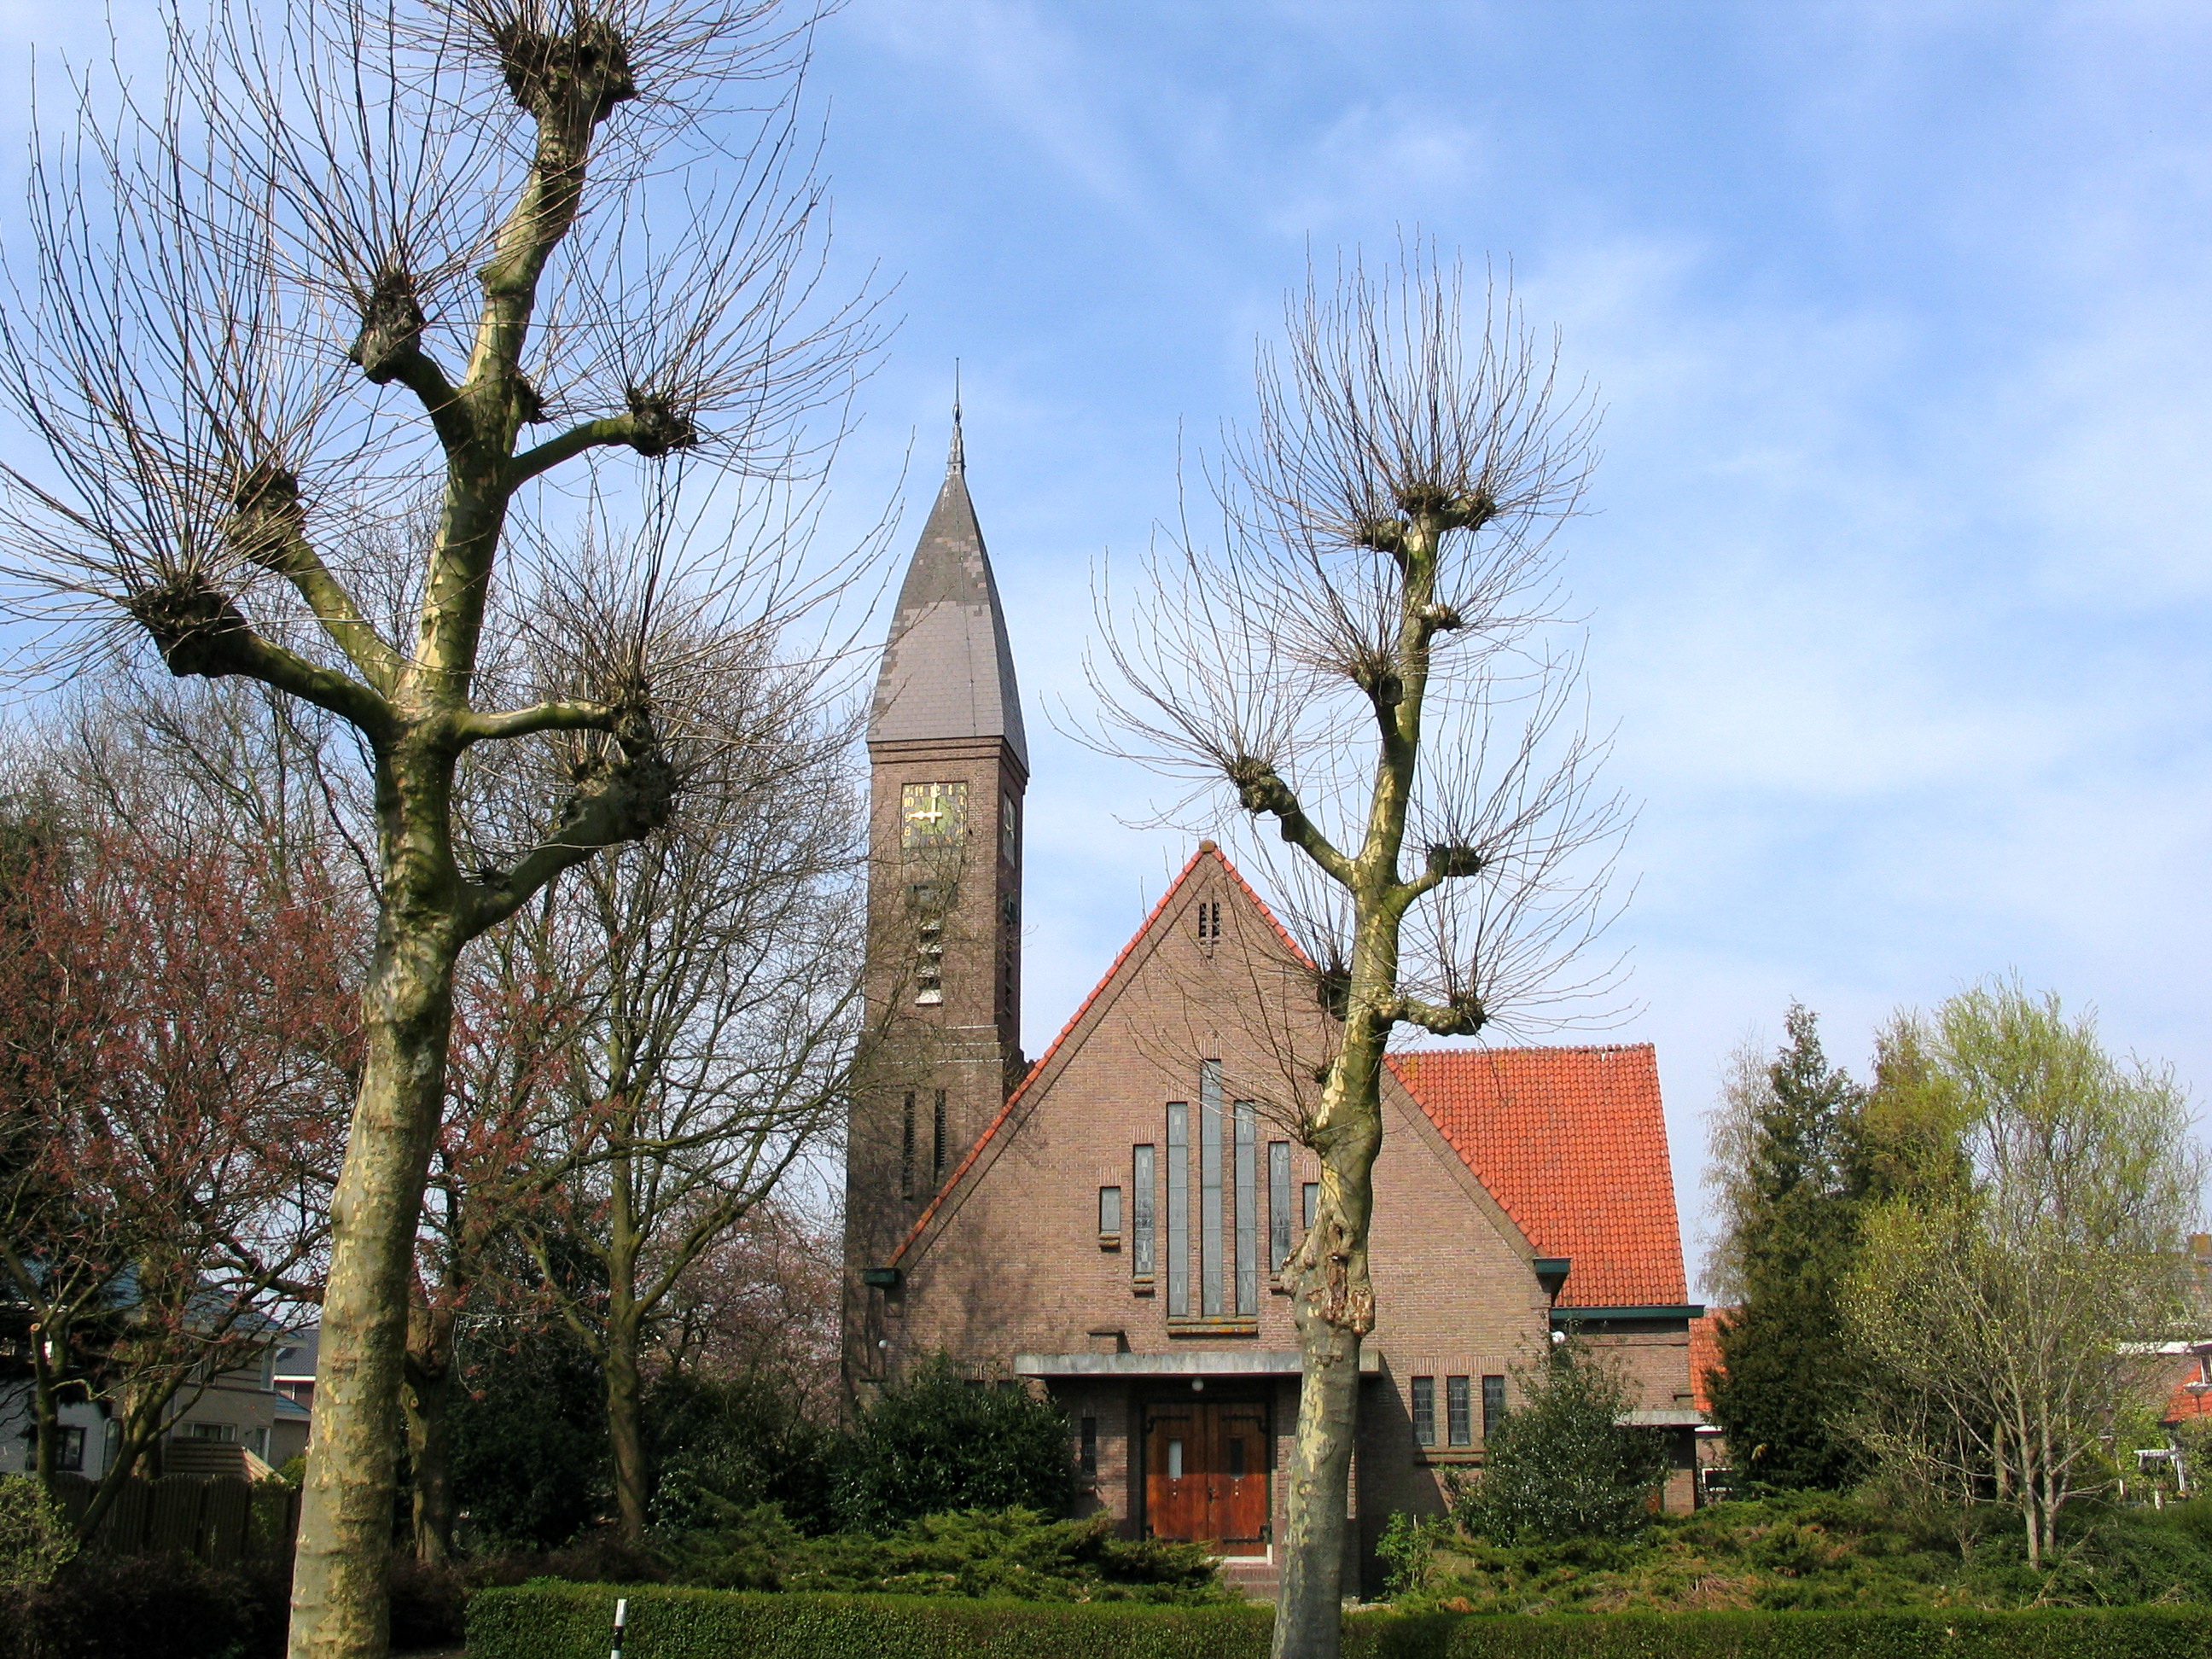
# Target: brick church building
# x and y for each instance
(1107, 1220)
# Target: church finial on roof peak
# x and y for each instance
(957, 461)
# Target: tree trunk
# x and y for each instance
(620, 1360)
(429, 1427)
(339, 1609)
(46, 1417)
(625, 1427)
(1309, 1614)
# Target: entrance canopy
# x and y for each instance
(1181, 1362)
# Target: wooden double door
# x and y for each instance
(1206, 1465)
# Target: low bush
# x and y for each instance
(1013, 1553)
(1558, 1465)
(546, 1621)
(153, 1606)
(35, 1542)
(938, 1443)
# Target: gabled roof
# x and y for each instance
(1097, 1002)
(948, 669)
(1572, 1142)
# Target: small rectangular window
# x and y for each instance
(1209, 920)
(68, 1452)
(1280, 1242)
(1459, 1427)
(1109, 1212)
(1425, 1411)
(1141, 1178)
(1088, 1457)
(1493, 1404)
(936, 1151)
(1311, 1206)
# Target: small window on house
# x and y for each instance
(937, 1149)
(1493, 1404)
(1459, 1427)
(1310, 1206)
(1141, 1178)
(1209, 920)
(257, 1440)
(224, 1432)
(1109, 1213)
(68, 1452)
(1280, 1242)
(1087, 1457)
(1425, 1411)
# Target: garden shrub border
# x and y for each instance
(573, 1621)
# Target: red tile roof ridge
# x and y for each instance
(1205, 849)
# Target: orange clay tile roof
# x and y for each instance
(1705, 1356)
(1572, 1142)
(2181, 1403)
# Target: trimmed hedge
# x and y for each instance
(573, 1621)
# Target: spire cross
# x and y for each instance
(958, 460)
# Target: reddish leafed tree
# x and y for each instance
(178, 1046)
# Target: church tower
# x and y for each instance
(948, 764)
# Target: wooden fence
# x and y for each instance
(221, 1519)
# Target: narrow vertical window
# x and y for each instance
(1311, 1206)
(1109, 1213)
(905, 1150)
(1209, 920)
(1279, 1205)
(1209, 1187)
(1087, 1458)
(1248, 1207)
(1493, 1404)
(1458, 1427)
(1140, 1212)
(1425, 1411)
(936, 1150)
(1178, 1209)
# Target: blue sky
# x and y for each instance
(1896, 572)
(1896, 577)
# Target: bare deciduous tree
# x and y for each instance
(1355, 659)
(717, 970)
(283, 327)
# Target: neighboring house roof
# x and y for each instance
(297, 1358)
(948, 669)
(1704, 1355)
(1572, 1142)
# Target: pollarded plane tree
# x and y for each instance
(306, 336)
(1358, 661)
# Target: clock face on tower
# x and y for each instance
(933, 814)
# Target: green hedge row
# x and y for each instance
(573, 1621)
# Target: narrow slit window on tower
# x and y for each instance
(1140, 1212)
(1279, 1241)
(1213, 1296)
(1087, 1456)
(937, 1149)
(1248, 1208)
(905, 1150)
(1178, 1209)
(929, 962)
(1425, 1411)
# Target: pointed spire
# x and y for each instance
(948, 667)
(958, 460)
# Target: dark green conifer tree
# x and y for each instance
(1786, 1169)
